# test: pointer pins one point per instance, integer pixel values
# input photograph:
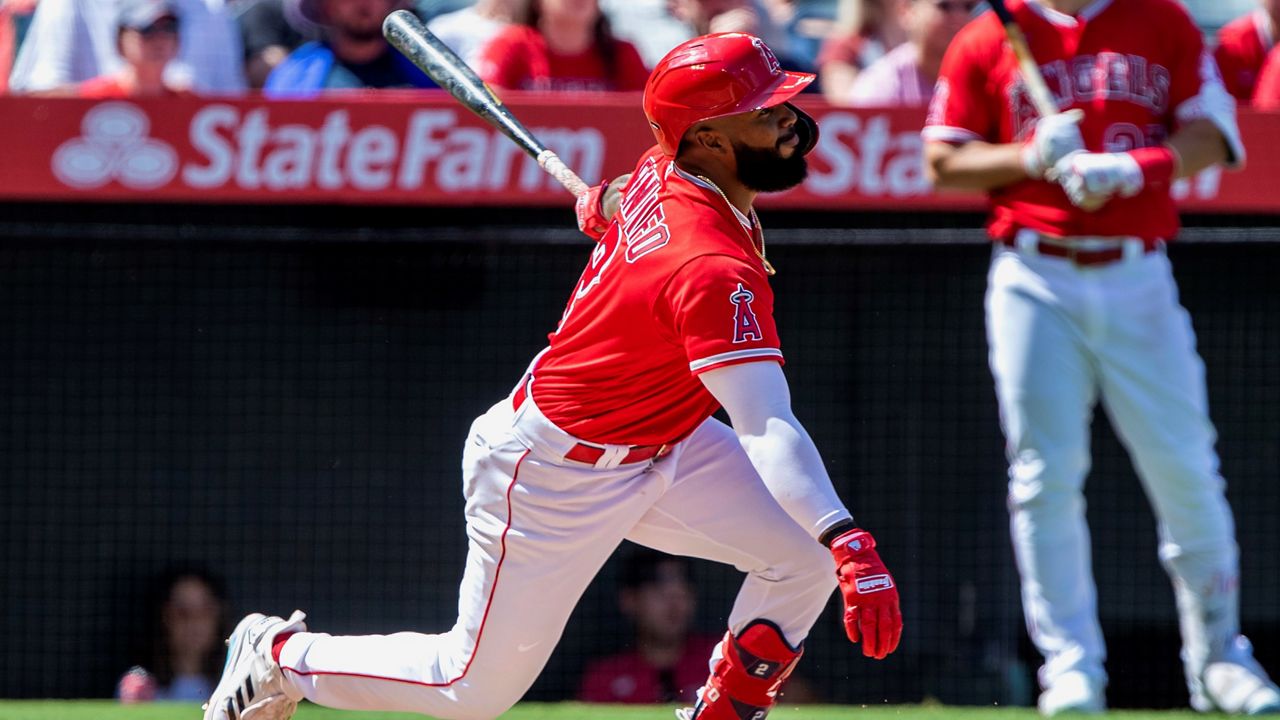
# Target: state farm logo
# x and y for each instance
(114, 146)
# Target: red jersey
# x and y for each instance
(1266, 95)
(111, 87)
(1136, 68)
(674, 288)
(518, 57)
(1243, 45)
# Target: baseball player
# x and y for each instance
(1081, 306)
(609, 435)
(1242, 48)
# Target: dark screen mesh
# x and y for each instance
(290, 413)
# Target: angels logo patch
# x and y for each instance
(745, 325)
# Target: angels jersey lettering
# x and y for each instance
(673, 289)
(1137, 69)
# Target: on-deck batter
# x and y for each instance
(609, 436)
(1081, 305)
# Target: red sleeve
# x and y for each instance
(1267, 93)
(721, 310)
(960, 110)
(103, 87)
(1230, 61)
(631, 74)
(505, 60)
(6, 49)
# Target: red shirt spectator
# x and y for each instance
(1266, 95)
(865, 31)
(629, 677)
(147, 39)
(114, 87)
(1243, 45)
(562, 46)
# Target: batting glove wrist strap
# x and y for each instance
(871, 615)
(591, 219)
(1158, 164)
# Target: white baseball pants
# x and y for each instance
(1061, 337)
(540, 528)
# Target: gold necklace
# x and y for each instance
(756, 230)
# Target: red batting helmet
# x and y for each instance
(718, 75)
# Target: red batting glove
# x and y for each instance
(591, 219)
(871, 614)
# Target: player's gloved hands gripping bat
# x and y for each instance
(1054, 137)
(1092, 179)
(871, 612)
(595, 207)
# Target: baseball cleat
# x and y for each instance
(252, 686)
(1073, 692)
(684, 714)
(1238, 688)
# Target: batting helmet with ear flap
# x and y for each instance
(719, 75)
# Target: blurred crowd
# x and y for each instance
(866, 52)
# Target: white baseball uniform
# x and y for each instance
(609, 437)
(1083, 307)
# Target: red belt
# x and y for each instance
(591, 454)
(1084, 257)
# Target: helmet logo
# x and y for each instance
(770, 59)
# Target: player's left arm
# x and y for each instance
(758, 400)
(1198, 145)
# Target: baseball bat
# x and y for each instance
(1040, 95)
(407, 34)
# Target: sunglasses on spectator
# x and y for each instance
(949, 6)
(163, 26)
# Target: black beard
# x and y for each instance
(767, 171)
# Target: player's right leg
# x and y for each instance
(1153, 385)
(718, 508)
(1045, 386)
(539, 532)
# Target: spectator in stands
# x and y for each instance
(717, 16)
(865, 30)
(647, 24)
(469, 30)
(664, 662)
(147, 39)
(188, 613)
(268, 34)
(353, 54)
(905, 76)
(1242, 49)
(564, 45)
(71, 41)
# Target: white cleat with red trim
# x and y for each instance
(252, 686)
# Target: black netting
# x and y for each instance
(291, 411)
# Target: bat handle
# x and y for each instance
(558, 170)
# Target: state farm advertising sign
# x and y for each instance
(425, 149)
